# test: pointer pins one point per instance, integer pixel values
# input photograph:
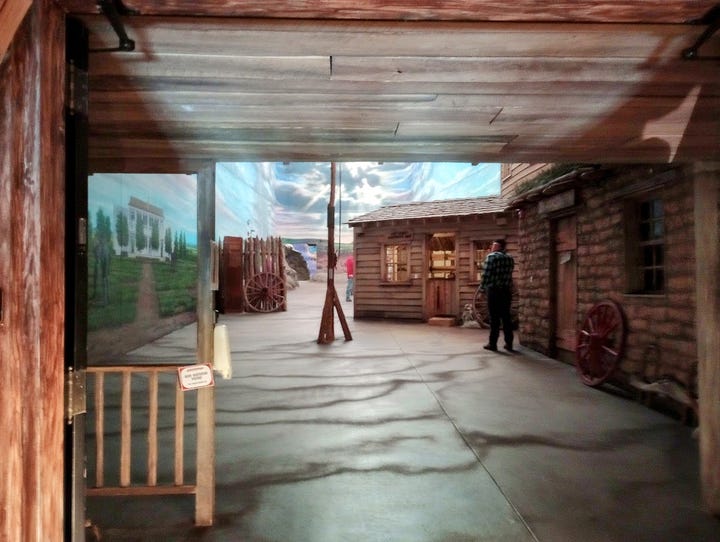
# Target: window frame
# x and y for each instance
(636, 243)
(393, 277)
(477, 259)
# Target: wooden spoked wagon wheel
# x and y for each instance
(482, 314)
(480, 308)
(265, 292)
(601, 343)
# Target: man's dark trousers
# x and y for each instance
(499, 300)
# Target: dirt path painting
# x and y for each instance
(112, 345)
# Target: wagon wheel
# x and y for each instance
(482, 314)
(265, 292)
(480, 309)
(601, 343)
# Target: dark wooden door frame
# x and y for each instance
(76, 261)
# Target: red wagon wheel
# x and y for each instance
(601, 343)
(265, 292)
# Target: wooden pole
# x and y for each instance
(707, 271)
(205, 460)
(327, 331)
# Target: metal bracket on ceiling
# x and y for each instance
(712, 19)
(113, 9)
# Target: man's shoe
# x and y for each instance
(490, 347)
(509, 348)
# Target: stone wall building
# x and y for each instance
(624, 234)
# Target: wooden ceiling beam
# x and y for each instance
(631, 11)
(262, 37)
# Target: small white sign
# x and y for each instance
(192, 377)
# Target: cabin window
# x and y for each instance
(480, 250)
(395, 263)
(646, 246)
(442, 256)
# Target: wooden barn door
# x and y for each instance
(565, 265)
(441, 286)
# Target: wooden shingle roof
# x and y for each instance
(434, 209)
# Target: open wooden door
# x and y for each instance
(565, 265)
(76, 228)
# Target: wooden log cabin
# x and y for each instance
(422, 261)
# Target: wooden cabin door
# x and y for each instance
(441, 285)
(565, 264)
(76, 274)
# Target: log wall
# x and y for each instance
(31, 277)
(515, 175)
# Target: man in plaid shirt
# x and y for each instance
(497, 285)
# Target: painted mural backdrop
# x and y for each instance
(143, 229)
(142, 260)
(289, 199)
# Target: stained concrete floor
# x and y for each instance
(414, 433)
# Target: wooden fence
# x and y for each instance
(252, 275)
(125, 401)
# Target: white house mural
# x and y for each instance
(140, 231)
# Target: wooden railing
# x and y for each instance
(118, 410)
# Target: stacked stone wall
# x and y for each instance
(535, 244)
(660, 328)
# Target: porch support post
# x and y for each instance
(707, 287)
(205, 496)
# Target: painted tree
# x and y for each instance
(102, 249)
(122, 229)
(155, 235)
(168, 241)
(140, 240)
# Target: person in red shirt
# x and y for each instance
(350, 270)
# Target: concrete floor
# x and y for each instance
(414, 433)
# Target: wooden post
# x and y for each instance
(205, 496)
(327, 331)
(32, 270)
(707, 273)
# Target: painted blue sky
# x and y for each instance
(290, 199)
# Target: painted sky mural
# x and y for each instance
(290, 199)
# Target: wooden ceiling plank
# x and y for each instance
(519, 71)
(193, 98)
(199, 68)
(306, 115)
(590, 89)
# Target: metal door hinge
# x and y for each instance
(77, 90)
(75, 389)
